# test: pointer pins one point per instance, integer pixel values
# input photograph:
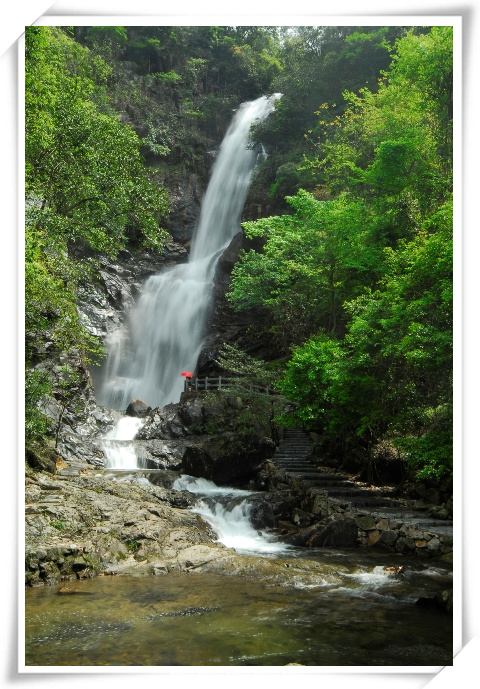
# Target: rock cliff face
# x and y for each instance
(185, 198)
(248, 329)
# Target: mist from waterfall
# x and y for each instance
(167, 325)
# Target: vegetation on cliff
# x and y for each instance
(358, 280)
(353, 206)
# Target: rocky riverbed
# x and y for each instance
(83, 520)
(96, 524)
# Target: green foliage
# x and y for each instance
(178, 85)
(318, 65)
(132, 546)
(391, 376)
(83, 167)
(247, 369)
(393, 145)
(251, 379)
(358, 280)
(86, 188)
(310, 379)
(37, 389)
(431, 453)
(311, 263)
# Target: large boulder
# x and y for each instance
(227, 459)
(138, 408)
(163, 423)
(42, 458)
(333, 532)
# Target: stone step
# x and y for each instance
(284, 451)
(375, 503)
(330, 480)
(297, 440)
(67, 472)
(293, 448)
(294, 468)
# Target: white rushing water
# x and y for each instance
(118, 444)
(234, 529)
(228, 511)
(167, 326)
(202, 486)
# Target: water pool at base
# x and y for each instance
(190, 619)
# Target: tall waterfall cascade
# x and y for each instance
(167, 325)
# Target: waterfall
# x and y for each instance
(228, 512)
(167, 326)
(118, 444)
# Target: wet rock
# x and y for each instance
(268, 510)
(445, 600)
(227, 459)
(301, 518)
(185, 195)
(138, 408)
(372, 536)
(388, 537)
(394, 569)
(230, 256)
(365, 523)
(87, 531)
(164, 423)
(160, 454)
(441, 602)
(328, 533)
(434, 546)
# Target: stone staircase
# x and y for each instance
(292, 458)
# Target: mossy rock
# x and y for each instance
(42, 458)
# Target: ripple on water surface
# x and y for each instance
(204, 619)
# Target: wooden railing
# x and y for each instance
(224, 382)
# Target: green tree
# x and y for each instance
(392, 146)
(391, 376)
(83, 168)
(253, 381)
(311, 262)
(318, 65)
(87, 190)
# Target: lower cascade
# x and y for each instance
(118, 444)
(228, 512)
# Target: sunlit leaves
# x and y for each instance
(391, 376)
(311, 262)
(86, 187)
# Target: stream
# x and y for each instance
(355, 615)
(205, 619)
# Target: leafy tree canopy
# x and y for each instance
(87, 188)
(357, 280)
